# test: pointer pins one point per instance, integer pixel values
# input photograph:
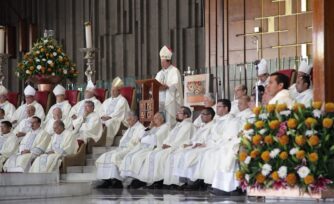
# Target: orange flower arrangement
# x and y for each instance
(283, 140)
(260, 178)
(327, 123)
(257, 139)
(254, 153)
(268, 140)
(300, 154)
(275, 176)
(242, 156)
(239, 175)
(298, 106)
(274, 124)
(283, 155)
(248, 126)
(291, 179)
(257, 110)
(310, 122)
(265, 156)
(313, 140)
(309, 179)
(292, 123)
(317, 105)
(300, 140)
(329, 107)
(313, 157)
(281, 107)
(271, 108)
(259, 124)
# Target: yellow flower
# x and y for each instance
(239, 175)
(283, 155)
(31, 68)
(260, 178)
(292, 123)
(327, 123)
(268, 140)
(309, 122)
(247, 126)
(271, 108)
(300, 154)
(329, 107)
(265, 156)
(274, 124)
(300, 140)
(275, 176)
(317, 105)
(259, 124)
(309, 179)
(313, 140)
(313, 157)
(242, 156)
(257, 139)
(283, 140)
(254, 153)
(297, 106)
(257, 110)
(281, 107)
(291, 179)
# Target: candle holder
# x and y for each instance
(3, 62)
(90, 57)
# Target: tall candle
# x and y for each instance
(2, 39)
(304, 50)
(303, 5)
(88, 32)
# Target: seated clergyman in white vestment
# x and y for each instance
(89, 125)
(78, 109)
(245, 112)
(171, 93)
(64, 105)
(278, 89)
(57, 114)
(20, 113)
(5, 104)
(8, 142)
(188, 166)
(150, 139)
(170, 175)
(62, 143)
(33, 144)
(25, 125)
(209, 101)
(108, 163)
(305, 93)
(154, 167)
(239, 91)
(113, 109)
(303, 70)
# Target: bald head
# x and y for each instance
(243, 102)
(31, 110)
(57, 114)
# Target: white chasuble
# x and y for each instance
(116, 108)
(8, 146)
(79, 108)
(64, 106)
(88, 127)
(62, 145)
(172, 98)
(9, 109)
(108, 163)
(21, 112)
(36, 141)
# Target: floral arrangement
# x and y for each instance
(283, 148)
(46, 58)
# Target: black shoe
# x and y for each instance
(135, 184)
(238, 192)
(157, 185)
(197, 185)
(218, 192)
(105, 184)
(115, 183)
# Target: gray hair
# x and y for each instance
(131, 114)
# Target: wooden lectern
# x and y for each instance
(149, 103)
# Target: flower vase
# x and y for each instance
(45, 82)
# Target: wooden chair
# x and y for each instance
(73, 96)
(14, 98)
(129, 93)
(291, 73)
(78, 159)
(45, 98)
(101, 94)
(100, 143)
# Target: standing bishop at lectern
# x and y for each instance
(170, 94)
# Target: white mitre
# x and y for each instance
(59, 90)
(304, 67)
(117, 83)
(263, 69)
(165, 53)
(29, 91)
(3, 90)
(90, 86)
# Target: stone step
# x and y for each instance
(81, 169)
(101, 150)
(93, 156)
(44, 191)
(90, 162)
(78, 177)
(21, 179)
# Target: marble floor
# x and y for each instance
(155, 196)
